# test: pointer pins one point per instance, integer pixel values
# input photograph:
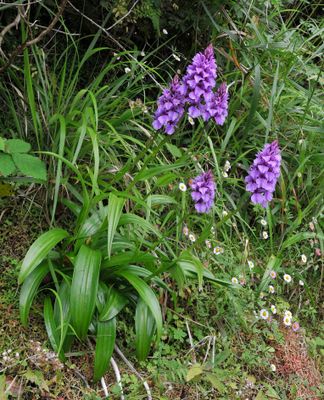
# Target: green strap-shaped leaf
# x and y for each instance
(115, 303)
(147, 295)
(62, 314)
(39, 250)
(50, 325)
(114, 211)
(105, 342)
(144, 327)
(29, 290)
(84, 289)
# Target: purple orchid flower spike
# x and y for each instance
(203, 192)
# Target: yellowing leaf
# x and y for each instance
(194, 371)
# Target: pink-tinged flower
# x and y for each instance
(295, 326)
(170, 107)
(263, 174)
(203, 191)
(273, 274)
(318, 252)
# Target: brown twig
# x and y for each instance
(38, 38)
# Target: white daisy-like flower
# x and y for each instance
(182, 187)
(304, 259)
(264, 314)
(250, 264)
(273, 274)
(208, 244)
(273, 309)
(301, 283)
(287, 320)
(263, 222)
(273, 368)
(234, 280)
(287, 278)
(227, 166)
(265, 235)
(288, 314)
(271, 289)
(192, 237)
(176, 57)
(224, 213)
(165, 31)
(218, 250)
(225, 174)
(191, 121)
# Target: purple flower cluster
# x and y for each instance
(263, 174)
(203, 192)
(196, 90)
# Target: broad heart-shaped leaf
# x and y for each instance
(7, 166)
(115, 303)
(84, 289)
(147, 295)
(39, 250)
(114, 211)
(51, 328)
(105, 342)
(29, 289)
(30, 166)
(16, 146)
(144, 327)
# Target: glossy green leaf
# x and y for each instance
(129, 257)
(51, 328)
(29, 289)
(105, 342)
(39, 250)
(30, 166)
(115, 207)
(84, 289)
(62, 314)
(147, 295)
(144, 327)
(114, 304)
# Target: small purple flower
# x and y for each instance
(217, 105)
(295, 326)
(170, 107)
(263, 174)
(203, 192)
(200, 81)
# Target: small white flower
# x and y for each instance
(9, 351)
(288, 314)
(300, 141)
(182, 187)
(304, 259)
(218, 250)
(127, 70)
(273, 368)
(299, 175)
(273, 309)
(165, 31)
(264, 314)
(250, 264)
(262, 295)
(263, 222)
(142, 53)
(287, 278)
(185, 230)
(225, 174)
(175, 56)
(271, 289)
(191, 121)
(17, 355)
(5, 358)
(235, 281)
(301, 283)
(4, 353)
(212, 230)
(287, 320)
(265, 235)
(227, 166)
(273, 274)
(224, 213)
(208, 244)
(192, 237)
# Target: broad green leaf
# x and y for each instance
(187, 261)
(30, 166)
(147, 295)
(51, 328)
(138, 221)
(84, 289)
(29, 289)
(2, 144)
(299, 237)
(115, 207)
(101, 296)
(39, 250)
(17, 146)
(115, 303)
(194, 371)
(62, 314)
(105, 342)
(129, 257)
(144, 327)
(215, 381)
(160, 199)
(7, 166)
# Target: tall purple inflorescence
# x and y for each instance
(263, 174)
(203, 192)
(170, 107)
(200, 81)
(217, 105)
